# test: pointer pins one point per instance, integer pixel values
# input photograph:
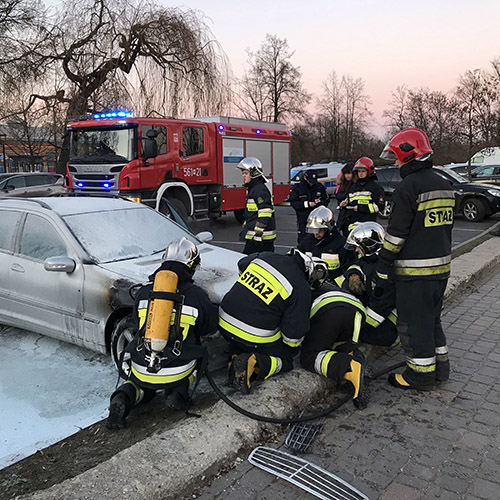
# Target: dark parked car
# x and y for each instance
(482, 173)
(472, 200)
(31, 185)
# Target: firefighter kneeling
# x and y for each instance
(330, 346)
(165, 352)
(265, 315)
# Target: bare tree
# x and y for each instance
(272, 87)
(95, 43)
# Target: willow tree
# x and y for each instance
(99, 44)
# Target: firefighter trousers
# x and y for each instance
(252, 246)
(419, 304)
(327, 345)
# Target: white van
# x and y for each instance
(327, 174)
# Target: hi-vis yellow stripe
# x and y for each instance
(442, 202)
(391, 247)
(422, 271)
(161, 379)
(249, 337)
(329, 300)
(262, 283)
(325, 361)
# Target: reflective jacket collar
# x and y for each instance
(253, 182)
(414, 166)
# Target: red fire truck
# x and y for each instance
(189, 162)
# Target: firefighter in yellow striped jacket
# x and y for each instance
(417, 254)
(179, 361)
(265, 315)
(259, 228)
(330, 346)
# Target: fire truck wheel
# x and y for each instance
(239, 215)
(123, 333)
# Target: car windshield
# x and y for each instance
(102, 145)
(115, 235)
(456, 177)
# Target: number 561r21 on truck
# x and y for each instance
(189, 162)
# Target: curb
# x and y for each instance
(168, 463)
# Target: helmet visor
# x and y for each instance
(388, 153)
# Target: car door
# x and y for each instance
(38, 185)
(47, 302)
(14, 186)
(9, 225)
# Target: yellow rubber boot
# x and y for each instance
(356, 377)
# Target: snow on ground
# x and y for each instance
(48, 391)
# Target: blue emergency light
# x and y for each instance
(258, 131)
(113, 114)
(106, 185)
(80, 184)
(221, 127)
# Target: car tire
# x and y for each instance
(386, 212)
(473, 210)
(239, 215)
(123, 333)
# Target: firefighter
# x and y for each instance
(417, 253)
(323, 240)
(365, 198)
(362, 281)
(265, 315)
(259, 228)
(179, 361)
(305, 196)
(330, 346)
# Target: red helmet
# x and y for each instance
(366, 163)
(408, 145)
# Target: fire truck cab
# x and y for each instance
(189, 162)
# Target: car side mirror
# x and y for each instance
(60, 264)
(473, 174)
(205, 236)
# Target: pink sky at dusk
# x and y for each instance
(386, 43)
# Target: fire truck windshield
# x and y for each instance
(102, 145)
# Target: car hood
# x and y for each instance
(216, 275)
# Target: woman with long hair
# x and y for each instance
(346, 179)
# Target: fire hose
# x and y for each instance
(289, 421)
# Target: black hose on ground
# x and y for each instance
(290, 421)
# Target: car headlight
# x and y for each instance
(494, 192)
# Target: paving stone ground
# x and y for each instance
(442, 445)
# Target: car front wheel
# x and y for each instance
(123, 333)
(386, 212)
(473, 210)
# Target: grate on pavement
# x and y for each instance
(301, 436)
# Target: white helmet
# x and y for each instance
(253, 165)
(369, 236)
(183, 251)
(316, 269)
(320, 218)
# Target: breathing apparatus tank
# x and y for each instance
(160, 312)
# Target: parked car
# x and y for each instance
(68, 266)
(327, 175)
(31, 184)
(472, 200)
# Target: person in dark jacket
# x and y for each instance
(330, 346)
(305, 196)
(346, 179)
(362, 281)
(176, 367)
(365, 198)
(323, 240)
(259, 228)
(265, 315)
(417, 254)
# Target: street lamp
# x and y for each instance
(4, 137)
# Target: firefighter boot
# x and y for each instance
(118, 410)
(242, 371)
(398, 380)
(355, 375)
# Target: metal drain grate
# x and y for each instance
(301, 436)
(305, 475)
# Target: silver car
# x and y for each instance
(68, 266)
